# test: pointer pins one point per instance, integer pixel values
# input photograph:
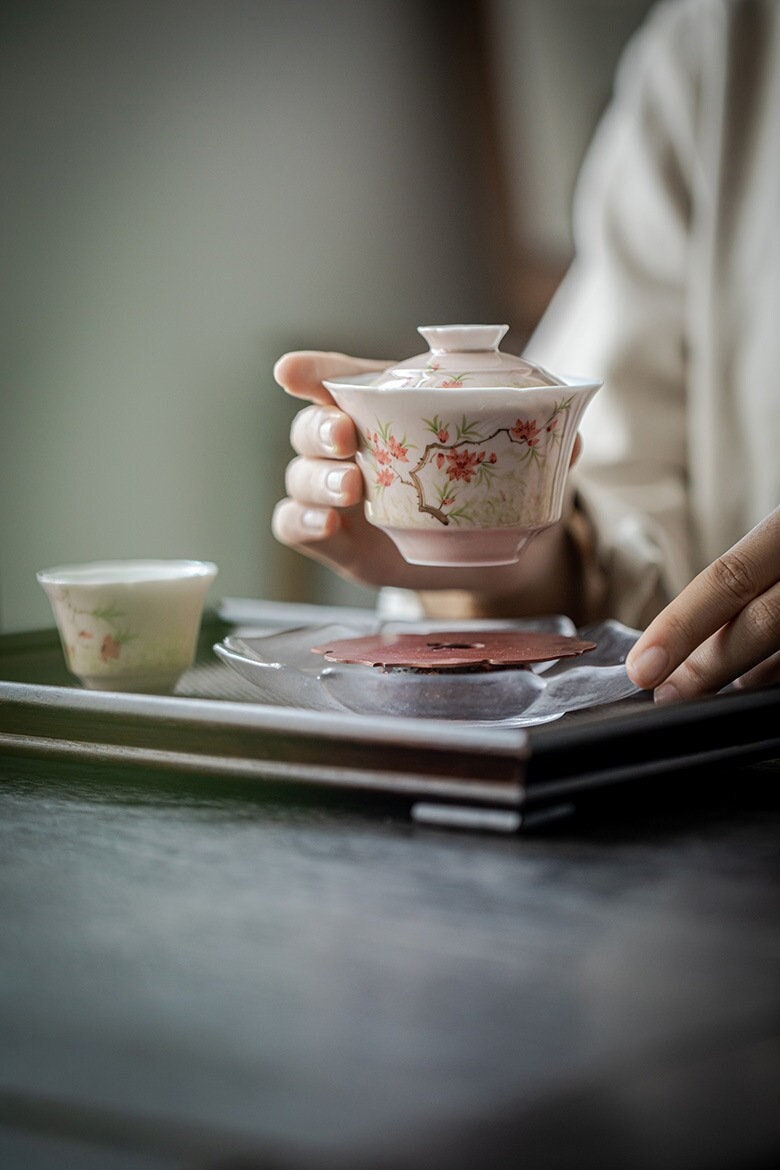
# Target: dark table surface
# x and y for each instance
(201, 972)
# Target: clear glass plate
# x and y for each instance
(286, 672)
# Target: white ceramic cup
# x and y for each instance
(129, 625)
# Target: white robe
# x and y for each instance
(674, 300)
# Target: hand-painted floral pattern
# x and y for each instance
(386, 449)
(526, 431)
(107, 625)
(110, 648)
(463, 464)
(465, 453)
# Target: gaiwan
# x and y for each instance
(464, 449)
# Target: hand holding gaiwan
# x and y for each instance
(464, 450)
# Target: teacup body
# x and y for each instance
(129, 625)
(461, 475)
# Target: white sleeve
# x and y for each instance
(620, 315)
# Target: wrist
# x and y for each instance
(558, 572)
(546, 579)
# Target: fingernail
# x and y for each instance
(314, 519)
(334, 481)
(326, 434)
(649, 667)
(667, 693)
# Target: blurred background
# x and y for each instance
(188, 188)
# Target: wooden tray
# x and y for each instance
(447, 773)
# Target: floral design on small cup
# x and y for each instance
(112, 641)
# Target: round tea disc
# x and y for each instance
(453, 649)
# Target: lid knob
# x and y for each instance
(462, 338)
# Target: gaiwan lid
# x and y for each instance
(463, 356)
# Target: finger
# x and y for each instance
(736, 648)
(301, 372)
(298, 525)
(324, 482)
(576, 450)
(766, 674)
(713, 598)
(325, 535)
(323, 432)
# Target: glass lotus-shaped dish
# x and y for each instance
(285, 671)
(464, 449)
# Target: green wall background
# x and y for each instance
(189, 189)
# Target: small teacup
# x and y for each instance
(464, 450)
(129, 625)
